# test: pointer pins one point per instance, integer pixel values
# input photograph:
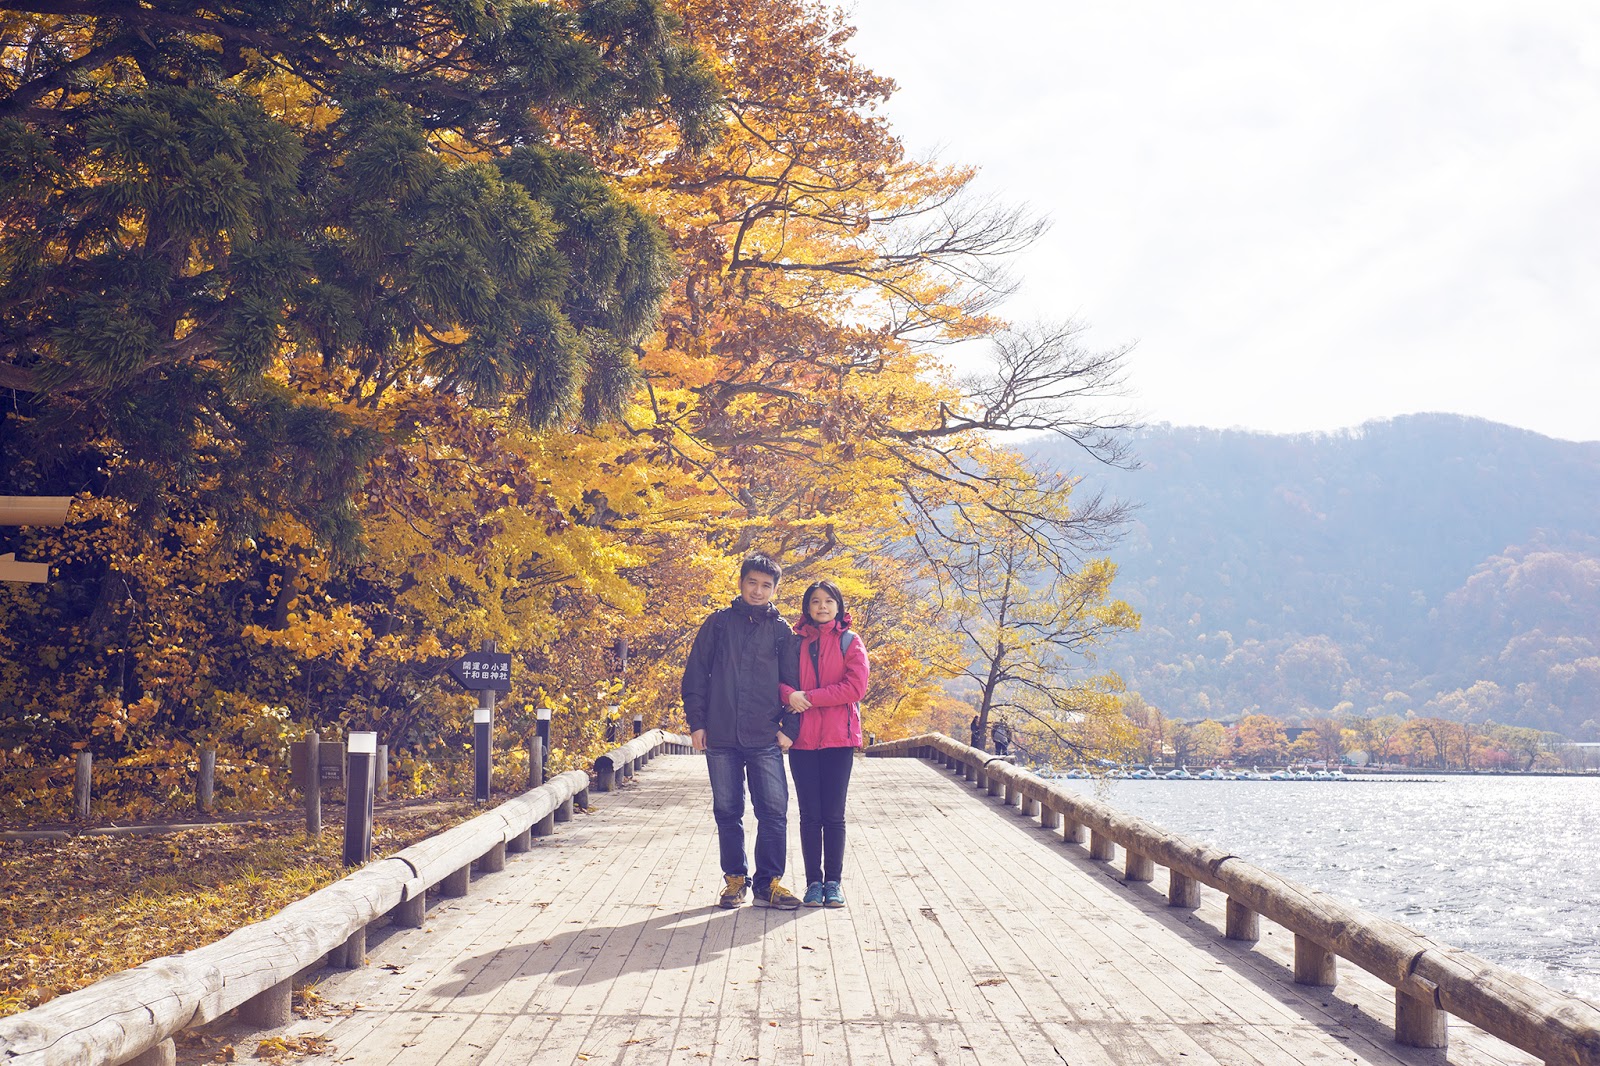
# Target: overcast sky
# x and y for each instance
(1305, 216)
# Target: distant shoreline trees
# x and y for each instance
(1412, 742)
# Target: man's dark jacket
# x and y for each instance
(730, 683)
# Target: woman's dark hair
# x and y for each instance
(833, 593)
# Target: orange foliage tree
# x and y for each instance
(536, 429)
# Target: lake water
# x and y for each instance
(1507, 868)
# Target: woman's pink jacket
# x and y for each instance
(834, 718)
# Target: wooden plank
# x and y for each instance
(515, 1044)
(695, 1043)
(867, 1042)
(1176, 986)
(994, 911)
(970, 936)
(672, 947)
(904, 872)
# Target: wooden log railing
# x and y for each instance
(132, 1016)
(620, 764)
(1431, 980)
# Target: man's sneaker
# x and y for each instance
(832, 894)
(813, 894)
(733, 891)
(775, 895)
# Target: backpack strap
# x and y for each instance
(845, 637)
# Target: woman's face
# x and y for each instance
(821, 608)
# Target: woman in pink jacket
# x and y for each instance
(833, 678)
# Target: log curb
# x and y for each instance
(123, 1016)
(1427, 976)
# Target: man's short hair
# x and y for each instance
(761, 565)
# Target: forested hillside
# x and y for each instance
(1432, 563)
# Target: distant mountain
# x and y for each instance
(1433, 563)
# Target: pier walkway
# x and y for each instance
(972, 935)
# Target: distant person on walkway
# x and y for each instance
(1001, 735)
(833, 677)
(733, 702)
(976, 728)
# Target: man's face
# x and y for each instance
(757, 588)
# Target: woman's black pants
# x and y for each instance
(821, 782)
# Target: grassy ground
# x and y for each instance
(73, 911)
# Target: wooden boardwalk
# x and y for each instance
(972, 936)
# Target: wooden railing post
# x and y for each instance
(535, 763)
(1102, 848)
(1314, 964)
(1418, 1022)
(1049, 817)
(411, 912)
(1183, 891)
(205, 783)
(1242, 923)
(269, 1009)
(1074, 833)
(352, 954)
(163, 1054)
(456, 883)
(1136, 867)
(313, 785)
(83, 786)
(547, 825)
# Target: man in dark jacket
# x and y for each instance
(732, 702)
(1001, 735)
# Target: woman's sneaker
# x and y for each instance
(832, 894)
(813, 894)
(775, 895)
(732, 891)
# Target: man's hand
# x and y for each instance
(697, 739)
(784, 743)
(798, 701)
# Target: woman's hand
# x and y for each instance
(798, 701)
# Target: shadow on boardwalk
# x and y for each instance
(567, 959)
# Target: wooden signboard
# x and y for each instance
(483, 671)
(330, 755)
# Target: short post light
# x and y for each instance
(361, 755)
(542, 727)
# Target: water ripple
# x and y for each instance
(1504, 867)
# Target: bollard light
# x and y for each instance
(543, 729)
(361, 753)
